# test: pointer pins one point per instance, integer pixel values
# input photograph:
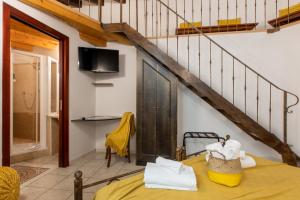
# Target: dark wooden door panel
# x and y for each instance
(156, 111)
(149, 110)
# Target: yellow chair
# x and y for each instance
(118, 139)
(9, 184)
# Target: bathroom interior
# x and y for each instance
(34, 95)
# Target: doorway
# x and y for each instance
(23, 121)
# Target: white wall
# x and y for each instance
(119, 98)
(81, 91)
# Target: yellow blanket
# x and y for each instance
(268, 181)
(118, 139)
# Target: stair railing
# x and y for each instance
(245, 88)
(158, 31)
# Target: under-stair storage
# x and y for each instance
(156, 111)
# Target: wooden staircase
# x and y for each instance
(235, 115)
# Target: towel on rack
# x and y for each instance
(175, 166)
(157, 176)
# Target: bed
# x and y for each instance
(269, 180)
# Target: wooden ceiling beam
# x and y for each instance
(93, 40)
(21, 46)
(32, 40)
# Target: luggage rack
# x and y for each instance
(201, 135)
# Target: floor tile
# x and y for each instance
(56, 195)
(30, 193)
(47, 181)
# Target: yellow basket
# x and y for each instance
(292, 9)
(225, 172)
(225, 22)
(230, 180)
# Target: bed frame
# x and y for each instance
(78, 183)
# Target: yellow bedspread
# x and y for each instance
(268, 181)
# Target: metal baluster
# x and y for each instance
(129, 2)
(111, 3)
(89, 8)
(218, 14)
(210, 64)
(152, 7)
(100, 10)
(199, 55)
(210, 16)
(246, 14)
(222, 70)
(236, 13)
(156, 14)
(137, 15)
(288, 11)
(121, 11)
(270, 109)
(188, 48)
(146, 17)
(192, 10)
(257, 96)
(79, 3)
(201, 12)
(233, 67)
(168, 27)
(245, 88)
(276, 8)
(255, 14)
(227, 14)
(160, 18)
(265, 13)
(176, 34)
(285, 111)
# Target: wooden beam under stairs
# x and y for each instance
(86, 25)
(251, 127)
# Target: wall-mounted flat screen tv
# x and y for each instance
(98, 60)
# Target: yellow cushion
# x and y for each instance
(292, 9)
(190, 25)
(230, 180)
(224, 22)
(9, 184)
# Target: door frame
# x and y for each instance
(11, 12)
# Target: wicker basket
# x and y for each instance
(225, 172)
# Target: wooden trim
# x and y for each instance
(11, 12)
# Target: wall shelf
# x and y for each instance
(102, 84)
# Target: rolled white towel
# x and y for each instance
(156, 175)
(170, 164)
(248, 162)
(231, 149)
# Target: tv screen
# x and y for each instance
(98, 60)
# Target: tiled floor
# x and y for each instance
(57, 183)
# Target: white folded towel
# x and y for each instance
(157, 176)
(170, 164)
(246, 161)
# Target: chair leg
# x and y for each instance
(109, 156)
(128, 156)
(106, 153)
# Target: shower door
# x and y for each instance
(25, 102)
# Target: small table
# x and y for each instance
(96, 118)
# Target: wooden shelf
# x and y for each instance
(284, 20)
(216, 29)
(103, 84)
(96, 118)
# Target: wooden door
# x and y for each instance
(156, 111)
